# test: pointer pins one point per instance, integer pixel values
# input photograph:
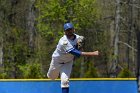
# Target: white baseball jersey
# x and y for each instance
(64, 46)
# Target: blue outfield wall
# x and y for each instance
(76, 86)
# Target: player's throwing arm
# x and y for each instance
(95, 53)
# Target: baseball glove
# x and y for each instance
(80, 42)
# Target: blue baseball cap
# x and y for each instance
(68, 26)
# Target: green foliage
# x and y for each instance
(91, 72)
(3, 75)
(125, 73)
(86, 13)
(15, 47)
(50, 19)
(30, 71)
(53, 14)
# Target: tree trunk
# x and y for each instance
(129, 31)
(31, 24)
(138, 59)
(116, 38)
(1, 47)
(1, 39)
(138, 44)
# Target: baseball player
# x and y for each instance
(62, 58)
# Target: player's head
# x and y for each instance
(69, 29)
(68, 26)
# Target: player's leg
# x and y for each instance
(65, 75)
(54, 70)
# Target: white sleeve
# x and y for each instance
(66, 45)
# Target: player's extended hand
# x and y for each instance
(95, 53)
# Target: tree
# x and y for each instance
(1, 39)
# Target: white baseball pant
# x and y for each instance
(64, 69)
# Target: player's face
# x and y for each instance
(69, 32)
